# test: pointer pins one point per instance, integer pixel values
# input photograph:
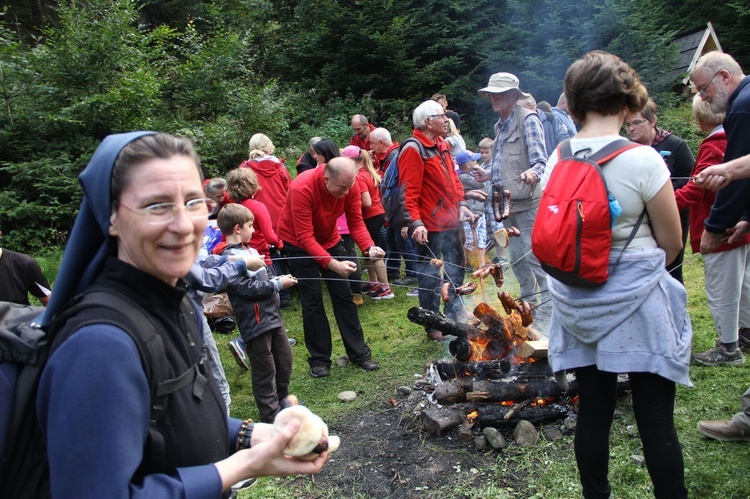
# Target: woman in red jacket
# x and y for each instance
(726, 270)
(373, 214)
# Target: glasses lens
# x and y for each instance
(164, 213)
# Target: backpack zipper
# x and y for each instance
(579, 234)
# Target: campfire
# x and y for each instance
(498, 376)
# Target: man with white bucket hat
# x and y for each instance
(519, 158)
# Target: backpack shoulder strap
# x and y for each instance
(418, 144)
(612, 150)
(563, 150)
(106, 307)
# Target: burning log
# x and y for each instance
(485, 369)
(494, 415)
(533, 349)
(436, 320)
(499, 391)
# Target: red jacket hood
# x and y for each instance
(268, 166)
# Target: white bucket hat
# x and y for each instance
(501, 82)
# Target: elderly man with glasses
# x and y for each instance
(434, 207)
(519, 157)
(720, 82)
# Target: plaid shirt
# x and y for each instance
(533, 134)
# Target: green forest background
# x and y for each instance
(74, 71)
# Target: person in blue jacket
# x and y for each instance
(137, 234)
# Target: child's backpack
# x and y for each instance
(572, 234)
(391, 193)
(24, 351)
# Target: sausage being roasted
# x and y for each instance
(436, 262)
(445, 292)
(509, 304)
(466, 289)
(524, 308)
(496, 269)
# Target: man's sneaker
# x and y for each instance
(413, 292)
(320, 371)
(382, 293)
(369, 365)
(743, 340)
(718, 356)
(405, 281)
(725, 430)
(369, 287)
(237, 347)
(357, 299)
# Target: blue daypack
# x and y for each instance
(391, 193)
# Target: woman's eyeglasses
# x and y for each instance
(633, 123)
(164, 213)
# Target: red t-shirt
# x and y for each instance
(310, 213)
(366, 184)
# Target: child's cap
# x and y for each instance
(464, 157)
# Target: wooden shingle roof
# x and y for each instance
(691, 45)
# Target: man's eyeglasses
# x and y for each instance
(702, 90)
(633, 123)
(441, 116)
(164, 213)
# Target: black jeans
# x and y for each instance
(653, 407)
(314, 319)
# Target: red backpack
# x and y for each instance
(572, 234)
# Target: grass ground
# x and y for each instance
(548, 470)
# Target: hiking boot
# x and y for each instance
(357, 299)
(237, 347)
(724, 429)
(369, 365)
(320, 371)
(382, 293)
(718, 356)
(413, 292)
(405, 281)
(743, 340)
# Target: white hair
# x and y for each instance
(382, 135)
(425, 110)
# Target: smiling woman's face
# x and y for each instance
(165, 250)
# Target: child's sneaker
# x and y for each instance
(382, 293)
(413, 292)
(369, 287)
(237, 347)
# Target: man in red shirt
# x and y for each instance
(362, 129)
(435, 207)
(316, 252)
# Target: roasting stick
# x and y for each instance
(473, 225)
